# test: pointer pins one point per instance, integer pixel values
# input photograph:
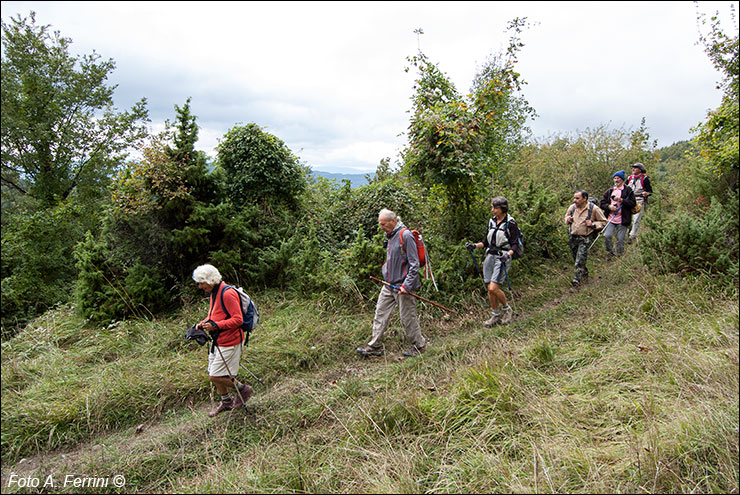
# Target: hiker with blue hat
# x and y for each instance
(617, 203)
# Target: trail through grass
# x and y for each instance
(630, 385)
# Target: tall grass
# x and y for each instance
(634, 392)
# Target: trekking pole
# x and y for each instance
(477, 270)
(605, 226)
(415, 295)
(233, 380)
(248, 371)
(506, 273)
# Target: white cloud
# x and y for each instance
(328, 77)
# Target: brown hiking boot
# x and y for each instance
(222, 406)
(246, 393)
(496, 318)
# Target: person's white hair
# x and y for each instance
(387, 214)
(208, 274)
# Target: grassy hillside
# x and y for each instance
(630, 385)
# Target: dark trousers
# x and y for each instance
(579, 249)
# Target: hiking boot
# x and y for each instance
(246, 393)
(507, 316)
(496, 318)
(413, 351)
(575, 285)
(368, 351)
(222, 406)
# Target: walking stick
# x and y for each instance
(233, 380)
(477, 270)
(412, 294)
(248, 371)
(605, 226)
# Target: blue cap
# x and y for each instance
(619, 174)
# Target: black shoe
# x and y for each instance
(368, 351)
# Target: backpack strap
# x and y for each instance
(400, 238)
(223, 306)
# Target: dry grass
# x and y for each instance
(633, 393)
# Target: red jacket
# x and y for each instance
(231, 333)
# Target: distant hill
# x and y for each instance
(356, 180)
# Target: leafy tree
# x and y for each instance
(642, 149)
(458, 143)
(36, 269)
(61, 141)
(259, 168)
(569, 162)
(164, 219)
(718, 135)
(60, 131)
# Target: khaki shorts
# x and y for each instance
(231, 354)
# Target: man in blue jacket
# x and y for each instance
(401, 269)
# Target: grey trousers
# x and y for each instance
(621, 232)
(387, 301)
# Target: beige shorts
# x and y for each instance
(216, 366)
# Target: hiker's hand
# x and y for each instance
(469, 246)
(589, 223)
(505, 256)
(402, 290)
(208, 326)
(569, 220)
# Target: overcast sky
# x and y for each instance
(328, 78)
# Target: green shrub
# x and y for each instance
(690, 242)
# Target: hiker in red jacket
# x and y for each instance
(226, 334)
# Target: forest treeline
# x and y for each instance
(117, 238)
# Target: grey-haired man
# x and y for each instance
(401, 269)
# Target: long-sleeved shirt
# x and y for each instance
(628, 202)
(401, 265)
(579, 227)
(230, 328)
(639, 184)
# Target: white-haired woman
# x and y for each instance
(224, 323)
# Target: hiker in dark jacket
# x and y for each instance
(639, 182)
(617, 203)
(401, 269)
(583, 219)
(501, 236)
(224, 325)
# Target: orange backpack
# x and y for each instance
(419, 245)
(421, 249)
